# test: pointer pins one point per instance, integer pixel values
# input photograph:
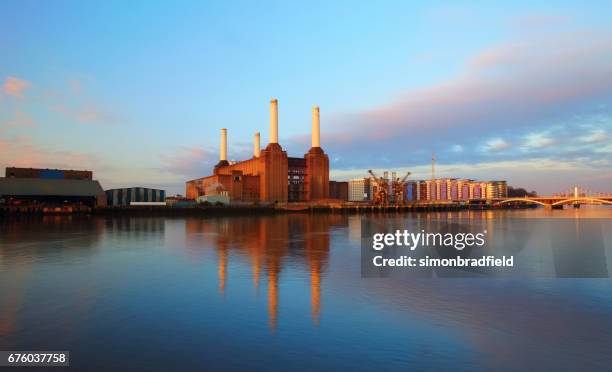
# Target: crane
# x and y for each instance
(382, 187)
(398, 188)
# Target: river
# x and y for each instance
(286, 292)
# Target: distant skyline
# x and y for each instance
(138, 91)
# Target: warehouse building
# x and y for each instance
(42, 188)
(56, 174)
(126, 196)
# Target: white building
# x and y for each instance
(360, 189)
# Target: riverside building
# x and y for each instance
(270, 175)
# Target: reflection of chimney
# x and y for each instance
(222, 269)
(256, 146)
(256, 269)
(223, 150)
(274, 121)
(272, 298)
(316, 127)
(315, 293)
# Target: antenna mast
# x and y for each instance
(433, 165)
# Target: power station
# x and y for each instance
(269, 176)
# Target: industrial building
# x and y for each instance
(126, 196)
(339, 190)
(270, 175)
(50, 188)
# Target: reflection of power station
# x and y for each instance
(270, 175)
(267, 242)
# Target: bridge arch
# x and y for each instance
(583, 199)
(523, 200)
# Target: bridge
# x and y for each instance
(575, 197)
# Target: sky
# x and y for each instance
(138, 91)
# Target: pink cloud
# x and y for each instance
(512, 86)
(497, 145)
(191, 162)
(20, 119)
(15, 87)
(75, 104)
(91, 113)
(86, 113)
(20, 151)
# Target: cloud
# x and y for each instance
(596, 136)
(457, 148)
(86, 113)
(92, 114)
(534, 141)
(74, 103)
(189, 162)
(553, 175)
(20, 151)
(15, 87)
(20, 119)
(496, 145)
(535, 91)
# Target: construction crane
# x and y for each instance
(398, 186)
(382, 186)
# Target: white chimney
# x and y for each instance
(256, 146)
(223, 150)
(274, 121)
(316, 127)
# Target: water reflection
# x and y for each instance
(163, 289)
(267, 242)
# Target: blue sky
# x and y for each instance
(137, 91)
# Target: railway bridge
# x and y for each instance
(576, 197)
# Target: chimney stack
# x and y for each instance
(316, 127)
(256, 146)
(274, 121)
(223, 150)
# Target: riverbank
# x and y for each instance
(245, 210)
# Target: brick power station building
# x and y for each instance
(270, 175)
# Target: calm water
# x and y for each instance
(284, 292)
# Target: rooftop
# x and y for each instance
(50, 187)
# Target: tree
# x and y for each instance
(520, 192)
